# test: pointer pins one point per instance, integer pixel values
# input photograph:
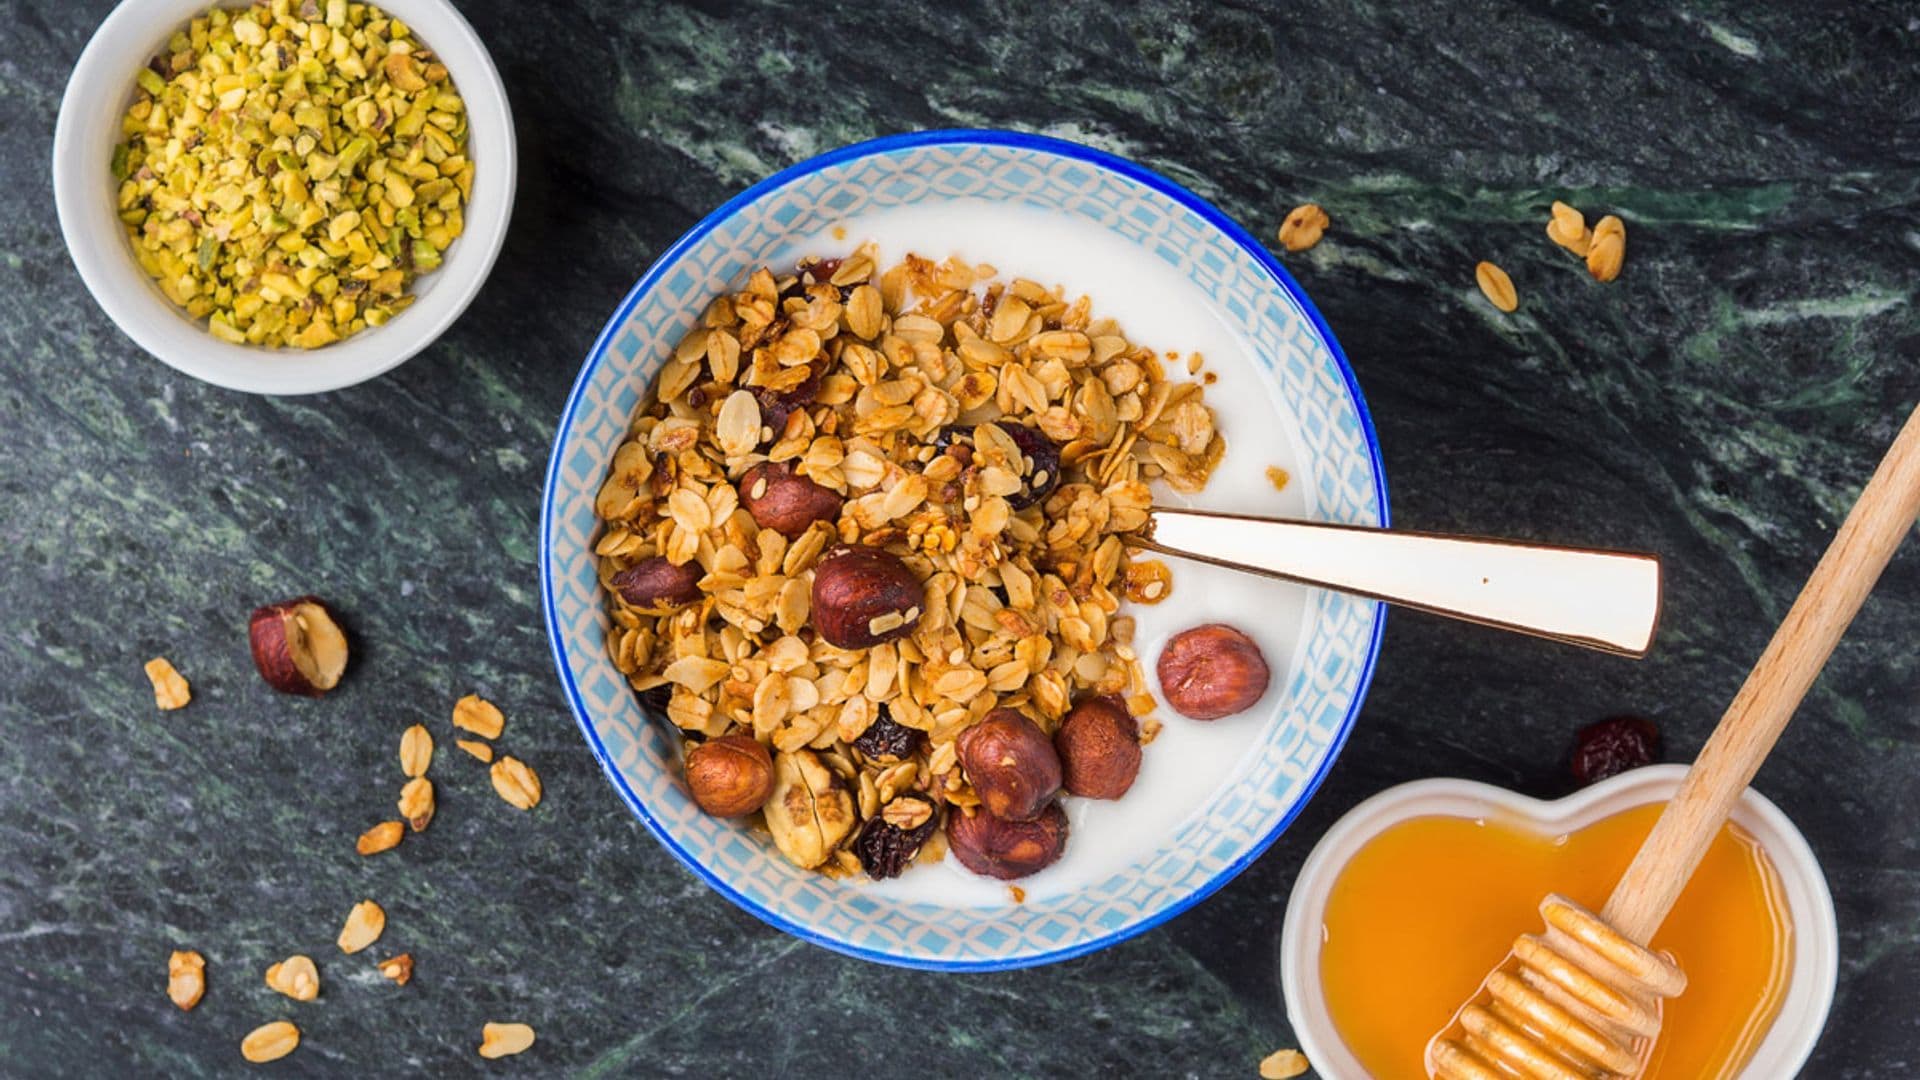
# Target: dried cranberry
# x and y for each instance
(885, 849)
(1043, 458)
(1613, 746)
(887, 738)
(777, 405)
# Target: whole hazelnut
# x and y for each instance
(1012, 766)
(786, 503)
(1099, 748)
(863, 596)
(657, 584)
(997, 848)
(1212, 671)
(730, 776)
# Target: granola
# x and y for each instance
(970, 455)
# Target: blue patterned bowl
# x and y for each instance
(1339, 476)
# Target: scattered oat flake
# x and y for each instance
(270, 1042)
(364, 925)
(478, 715)
(1608, 249)
(295, 977)
(382, 837)
(416, 803)
(398, 968)
(1283, 1065)
(1497, 286)
(475, 747)
(1568, 228)
(1303, 227)
(516, 782)
(1018, 894)
(416, 751)
(170, 690)
(1278, 477)
(186, 978)
(503, 1040)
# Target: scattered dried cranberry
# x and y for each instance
(1043, 458)
(888, 739)
(1613, 746)
(885, 849)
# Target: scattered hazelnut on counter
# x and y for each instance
(997, 848)
(786, 503)
(1011, 764)
(1212, 671)
(186, 978)
(1099, 748)
(298, 646)
(657, 585)
(863, 596)
(730, 776)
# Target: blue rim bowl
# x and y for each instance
(1326, 682)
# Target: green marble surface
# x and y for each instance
(1720, 404)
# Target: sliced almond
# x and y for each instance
(502, 1040)
(170, 690)
(516, 782)
(295, 977)
(1497, 286)
(364, 925)
(416, 802)
(416, 751)
(382, 837)
(398, 968)
(1283, 1065)
(270, 1042)
(186, 978)
(475, 747)
(478, 715)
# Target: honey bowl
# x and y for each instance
(1763, 865)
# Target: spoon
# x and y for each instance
(1582, 1001)
(1606, 600)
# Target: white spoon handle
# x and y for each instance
(1605, 600)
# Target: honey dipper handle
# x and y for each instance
(1874, 527)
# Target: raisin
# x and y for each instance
(1613, 746)
(1043, 458)
(885, 849)
(886, 739)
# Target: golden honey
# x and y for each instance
(1424, 910)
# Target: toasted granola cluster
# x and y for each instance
(862, 511)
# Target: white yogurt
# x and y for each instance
(1156, 307)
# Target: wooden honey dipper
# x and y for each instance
(1582, 1000)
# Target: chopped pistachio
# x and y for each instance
(289, 168)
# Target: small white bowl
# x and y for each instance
(97, 97)
(1816, 941)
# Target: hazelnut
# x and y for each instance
(298, 646)
(997, 848)
(657, 584)
(1212, 671)
(1012, 766)
(730, 776)
(863, 596)
(786, 503)
(1099, 748)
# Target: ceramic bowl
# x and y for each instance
(1141, 224)
(1816, 941)
(97, 97)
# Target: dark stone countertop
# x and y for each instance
(1719, 404)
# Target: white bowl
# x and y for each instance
(97, 97)
(1816, 941)
(1210, 797)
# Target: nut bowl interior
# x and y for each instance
(97, 96)
(1285, 389)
